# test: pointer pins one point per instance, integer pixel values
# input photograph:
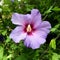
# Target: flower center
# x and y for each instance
(29, 29)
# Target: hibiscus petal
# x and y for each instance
(41, 33)
(28, 19)
(34, 41)
(18, 19)
(36, 17)
(43, 29)
(45, 24)
(17, 34)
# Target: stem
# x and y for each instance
(57, 36)
(45, 17)
(44, 53)
(47, 14)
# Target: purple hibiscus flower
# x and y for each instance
(30, 28)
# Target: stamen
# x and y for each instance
(29, 28)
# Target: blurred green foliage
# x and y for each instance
(50, 10)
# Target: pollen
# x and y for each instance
(29, 28)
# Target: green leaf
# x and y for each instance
(21, 57)
(48, 11)
(8, 39)
(9, 56)
(55, 28)
(0, 9)
(29, 7)
(56, 9)
(55, 56)
(6, 8)
(5, 58)
(1, 52)
(7, 2)
(4, 32)
(53, 43)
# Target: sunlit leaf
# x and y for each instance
(9, 56)
(55, 56)
(4, 57)
(0, 9)
(8, 39)
(56, 9)
(1, 52)
(4, 32)
(49, 10)
(53, 43)
(55, 28)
